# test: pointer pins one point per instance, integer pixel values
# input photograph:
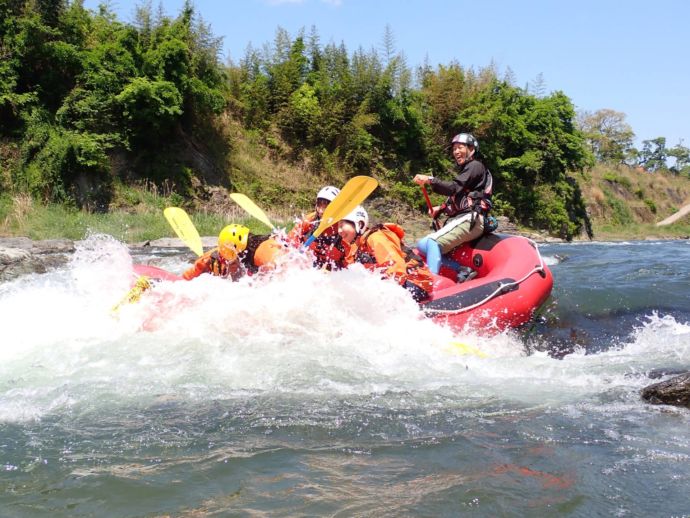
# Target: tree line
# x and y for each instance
(611, 139)
(88, 101)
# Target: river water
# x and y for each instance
(310, 396)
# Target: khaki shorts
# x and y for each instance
(457, 231)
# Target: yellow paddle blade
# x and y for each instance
(184, 228)
(133, 295)
(466, 349)
(251, 207)
(355, 191)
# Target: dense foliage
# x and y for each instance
(78, 90)
(89, 101)
(362, 112)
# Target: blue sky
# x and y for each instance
(629, 56)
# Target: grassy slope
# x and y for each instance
(625, 203)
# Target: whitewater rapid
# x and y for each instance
(305, 333)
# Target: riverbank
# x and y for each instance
(36, 237)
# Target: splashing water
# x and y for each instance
(311, 362)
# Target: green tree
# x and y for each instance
(681, 154)
(609, 137)
(653, 154)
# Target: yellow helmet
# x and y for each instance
(232, 240)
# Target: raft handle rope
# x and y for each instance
(502, 288)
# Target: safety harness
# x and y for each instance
(476, 202)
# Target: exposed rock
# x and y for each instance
(13, 255)
(47, 246)
(53, 246)
(16, 242)
(18, 261)
(675, 391)
(21, 255)
(173, 242)
(656, 374)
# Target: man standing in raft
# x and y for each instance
(381, 247)
(469, 201)
(237, 253)
(327, 248)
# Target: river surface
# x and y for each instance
(328, 394)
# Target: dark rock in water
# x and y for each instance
(675, 391)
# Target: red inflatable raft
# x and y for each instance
(156, 273)
(512, 282)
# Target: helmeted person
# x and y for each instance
(222, 261)
(328, 249)
(468, 202)
(237, 253)
(382, 247)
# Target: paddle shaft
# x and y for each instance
(353, 193)
(435, 223)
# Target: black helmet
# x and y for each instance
(467, 139)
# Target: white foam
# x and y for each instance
(305, 332)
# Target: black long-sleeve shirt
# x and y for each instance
(472, 177)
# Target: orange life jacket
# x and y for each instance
(267, 253)
(382, 247)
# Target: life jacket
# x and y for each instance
(267, 253)
(330, 252)
(261, 252)
(415, 271)
(478, 200)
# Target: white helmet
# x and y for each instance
(328, 193)
(359, 218)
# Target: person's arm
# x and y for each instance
(200, 266)
(330, 251)
(447, 188)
